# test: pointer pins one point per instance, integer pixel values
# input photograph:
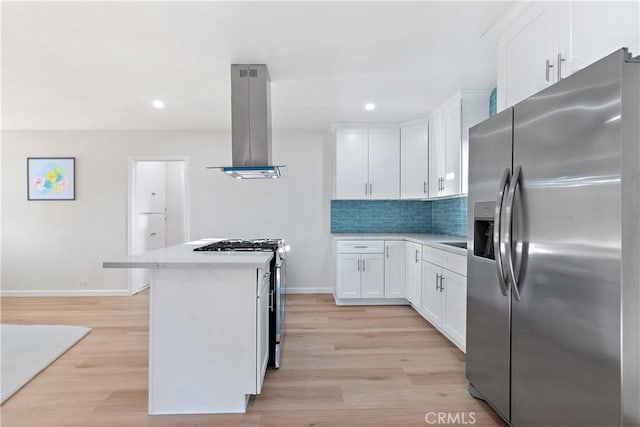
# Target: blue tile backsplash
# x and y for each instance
(380, 216)
(448, 216)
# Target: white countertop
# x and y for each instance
(183, 256)
(433, 240)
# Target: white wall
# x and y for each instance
(49, 247)
(175, 180)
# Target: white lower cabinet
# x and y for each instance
(348, 275)
(432, 280)
(360, 269)
(444, 295)
(413, 273)
(372, 276)
(394, 269)
(262, 330)
(454, 315)
(431, 306)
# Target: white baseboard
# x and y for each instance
(370, 301)
(64, 293)
(293, 290)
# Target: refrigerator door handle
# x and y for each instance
(507, 235)
(497, 223)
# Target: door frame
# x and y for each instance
(131, 203)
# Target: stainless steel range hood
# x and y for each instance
(251, 124)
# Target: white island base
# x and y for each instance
(208, 331)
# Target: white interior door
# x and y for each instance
(151, 183)
(158, 211)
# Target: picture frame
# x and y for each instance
(51, 178)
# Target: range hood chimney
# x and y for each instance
(251, 124)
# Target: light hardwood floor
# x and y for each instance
(382, 366)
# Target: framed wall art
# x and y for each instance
(51, 178)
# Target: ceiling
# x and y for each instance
(99, 65)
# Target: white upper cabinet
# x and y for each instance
(528, 54)
(367, 163)
(452, 176)
(449, 141)
(414, 161)
(540, 43)
(352, 163)
(384, 163)
(591, 30)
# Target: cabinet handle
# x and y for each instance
(560, 61)
(441, 283)
(370, 188)
(360, 247)
(549, 66)
(416, 255)
(358, 264)
(153, 194)
(152, 234)
(437, 282)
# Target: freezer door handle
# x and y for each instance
(497, 223)
(507, 234)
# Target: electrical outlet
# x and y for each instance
(84, 283)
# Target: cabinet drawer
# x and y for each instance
(433, 255)
(454, 262)
(360, 246)
(450, 261)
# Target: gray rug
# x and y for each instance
(28, 349)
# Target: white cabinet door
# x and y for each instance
(262, 331)
(452, 115)
(150, 184)
(372, 276)
(454, 316)
(414, 273)
(155, 235)
(384, 163)
(591, 30)
(394, 270)
(523, 55)
(351, 164)
(431, 305)
(437, 153)
(348, 275)
(414, 165)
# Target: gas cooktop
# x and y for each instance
(254, 245)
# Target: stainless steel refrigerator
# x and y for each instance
(553, 305)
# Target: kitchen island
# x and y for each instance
(208, 327)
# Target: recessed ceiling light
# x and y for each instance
(157, 103)
(370, 106)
